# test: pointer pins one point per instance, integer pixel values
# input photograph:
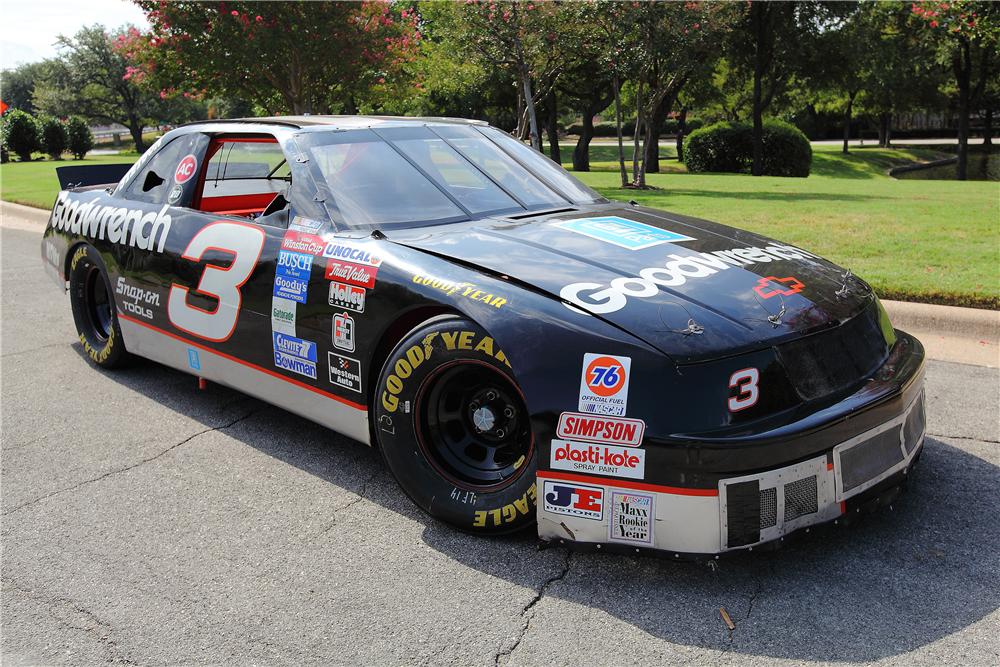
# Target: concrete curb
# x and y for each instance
(948, 320)
(29, 213)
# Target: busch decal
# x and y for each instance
(604, 384)
(594, 459)
(579, 500)
(294, 265)
(611, 430)
(632, 516)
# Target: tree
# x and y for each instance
(80, 138)
(93, 79)
(20, 134)
(19, 85)
(52, 136)
(966, 35)
(587, 87)
(303, 57)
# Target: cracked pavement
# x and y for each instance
(143, 521)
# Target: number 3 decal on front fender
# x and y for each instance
(245, 243)
(746, 381)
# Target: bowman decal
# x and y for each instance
(295, 354)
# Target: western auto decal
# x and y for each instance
(186, 168)
(632, 516)
(351, 273)
(146, 230)
(621, 232)
(347, 296)
(677, 270)
(771, 286)
(345, 372)
(598, 459)
(571, 499)
(610, 430)
(604, 384)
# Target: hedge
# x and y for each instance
(52, 136)
(728, 147)
(20, 134)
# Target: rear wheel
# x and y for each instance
(94, 313)
(454, 428)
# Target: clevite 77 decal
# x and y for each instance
(604, 384)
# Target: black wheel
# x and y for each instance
(94, 313)
(454, 428)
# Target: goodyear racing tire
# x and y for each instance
(94, 312)
(454, 428)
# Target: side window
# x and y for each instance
(169, 177)
(243, 176)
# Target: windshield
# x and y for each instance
(428, 174)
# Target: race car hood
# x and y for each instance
(694, 289)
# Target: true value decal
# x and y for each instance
(146, 230)
(632, 516)
(677, 270)
(604, 384)
(595, 459)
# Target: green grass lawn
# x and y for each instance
(934, 241)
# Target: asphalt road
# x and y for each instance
(146, 522)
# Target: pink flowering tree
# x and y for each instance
(966, 36)
(302, 57)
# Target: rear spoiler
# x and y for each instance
(79, 176)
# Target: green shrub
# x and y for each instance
(20, 134)
(81, 140)
(53, 136)
(728, 147)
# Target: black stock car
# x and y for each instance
(519, 348)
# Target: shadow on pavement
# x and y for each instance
(894, 582)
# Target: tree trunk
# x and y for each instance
(639, 122)
(757, 11)
(963, 72)
(581, 153)
(552, 129)
(681, 131)
(885, 130)
(536, 140)
(618, 124)
(135, 129)
(847, 123)
(988, 130)
(651, 152)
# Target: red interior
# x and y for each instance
(242, 205)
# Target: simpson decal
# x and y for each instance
(347, 296)
(343, 332)
(632, 516)
(594, 459)
(604, 384)
(611, 430)
(121, 225)
(350, 273)
(571, 499)
(345, 372)
(186, 168)
(622, 232)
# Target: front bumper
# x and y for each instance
(848, 456)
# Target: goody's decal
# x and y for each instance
(347, 296)
(604, 384)
(291, 288)
(351, 253)
(771, 286)
(343, 332)
(354, 274)
(303, 242)
(598, 298)
(118, 224)
(283, 315)
(611, 430)
(579, 500)
(595, 459)
(345, 372)
(632, 516)
(294, 354)
(186, 168)
(621, 232)
(295, 265)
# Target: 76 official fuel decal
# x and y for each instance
(604, 384)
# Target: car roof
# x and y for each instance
(342, 122)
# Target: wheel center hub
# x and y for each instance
(484, 419)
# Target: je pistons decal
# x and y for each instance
(611, 430)
(579, 500)
(604, 384)
(594, 459)
(621, 232)
(631, 517)
(351, 273)
(186, 168)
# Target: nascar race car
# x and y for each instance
(520, 349)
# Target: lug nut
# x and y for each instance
(491, 395)
(501, 433)
(508, 412)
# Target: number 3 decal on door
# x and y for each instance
(245, 243)
(746, 381)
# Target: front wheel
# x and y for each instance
(94, 312)
(454, 428)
